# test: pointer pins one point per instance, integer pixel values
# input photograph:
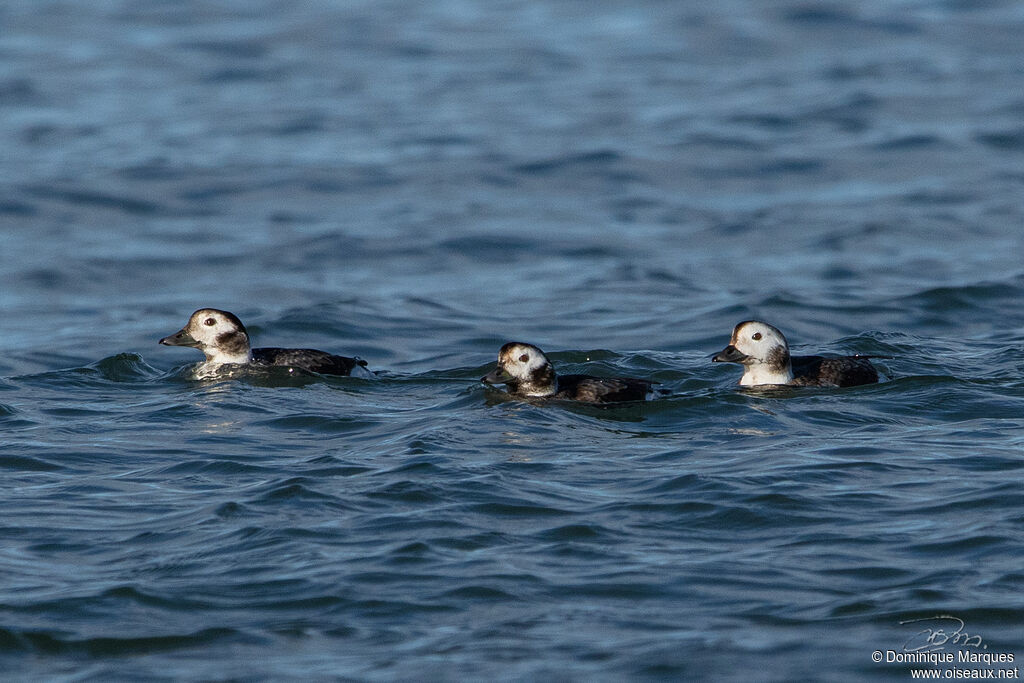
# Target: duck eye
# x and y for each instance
(523, 358)
(756, 336)
(209, 321)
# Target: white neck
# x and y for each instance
(759, 373)
(217, 357)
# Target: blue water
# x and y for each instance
(417, 183)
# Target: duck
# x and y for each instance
(526, 372)
(223, 339)
(763, 352)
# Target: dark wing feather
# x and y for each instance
(845, 371)
(602, 389)
(307, 359)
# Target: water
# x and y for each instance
(417, 183)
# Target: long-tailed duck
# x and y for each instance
(764, 354)
(527, 372)
(222, 338)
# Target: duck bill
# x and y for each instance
(496, 376)
(179, 338)
(730, 354)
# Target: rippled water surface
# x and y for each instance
(417, 183)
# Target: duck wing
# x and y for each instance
(308, 359)
(602, 389)
(844, 371)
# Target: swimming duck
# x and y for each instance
(763, 352)
(527, 372)
(223, 339)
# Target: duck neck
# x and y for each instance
(230, 348)
(775, 369)
(760, 373)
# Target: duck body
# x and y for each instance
(763, 352)
(527, 372)
(223, 339)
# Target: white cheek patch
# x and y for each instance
(201, 337)
(522, 369)
(204, 334)
(518, 370)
